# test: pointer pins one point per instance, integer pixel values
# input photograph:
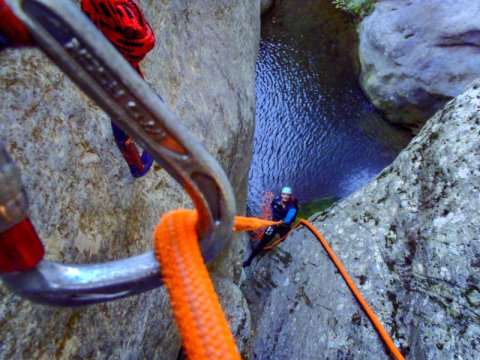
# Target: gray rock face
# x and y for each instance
(418, 54)
(410, 241)
(84, 203)
(236, 309)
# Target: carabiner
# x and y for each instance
(71, 41)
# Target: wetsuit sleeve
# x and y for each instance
(290, 216)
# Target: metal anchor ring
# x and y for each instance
(66, 35)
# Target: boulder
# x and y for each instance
(84, 203)
(410, 242)
(416, 55)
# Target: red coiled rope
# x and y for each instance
(124, 25)
(122, 22)
(12, 28)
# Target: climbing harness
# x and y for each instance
(66, 35)
(183, 241)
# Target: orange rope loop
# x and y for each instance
(201, 322)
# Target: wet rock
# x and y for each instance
(84, 203)
(416, 55)
(265, 5)
(409, 240)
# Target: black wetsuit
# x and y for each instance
(278, 213)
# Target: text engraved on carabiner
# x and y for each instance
(117, 90)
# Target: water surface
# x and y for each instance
(315, 129)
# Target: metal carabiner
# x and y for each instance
(66, 35)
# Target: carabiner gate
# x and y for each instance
(71, 41)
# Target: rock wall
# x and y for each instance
(84, 203)
(418, 54)
(265, 5)
(409, 240)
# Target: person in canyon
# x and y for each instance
(284, 210)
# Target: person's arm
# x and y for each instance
(290, 216)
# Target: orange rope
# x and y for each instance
(251, 224)
(371, 315)
(202, 324)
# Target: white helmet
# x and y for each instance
(287, 190)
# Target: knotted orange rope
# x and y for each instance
(202, 324)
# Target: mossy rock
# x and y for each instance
(306, 210)
(360, 8)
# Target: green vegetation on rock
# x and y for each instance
(308, 209)
(359, 8)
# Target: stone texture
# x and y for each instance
(236, 309)
(85, 205)
(417, 54)
(409, 239)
